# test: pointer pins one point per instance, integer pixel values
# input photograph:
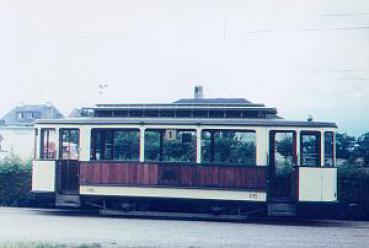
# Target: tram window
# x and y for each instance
(328, 149)
(216, 114)
(229, 146)
(200, 113)
(136, 113)
(250, 114)
(170, 145)
(167, 113)
(183, 113)
(126, 145)
(69, 144)
(115, 144)
(120, 113)
(151, 113)
(34, 143)
(104, 113)
(48, 144)
(152, 145)
(233, 114)
(310, 148)
(96, 145)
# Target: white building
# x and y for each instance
(17, 132)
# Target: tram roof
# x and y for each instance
(188, 121)
(184, 108)
(221, 102)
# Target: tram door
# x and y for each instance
(68, 165)
(282, 183)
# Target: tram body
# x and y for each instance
(266, 161)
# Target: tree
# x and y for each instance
(345, 146)
(362, 148)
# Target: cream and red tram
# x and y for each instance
(195, 152)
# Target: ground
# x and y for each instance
(54, 228)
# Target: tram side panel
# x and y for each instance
(43, 171)
(317, 184)
(43, 176)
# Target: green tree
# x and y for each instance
(345, 146)
(362, 148)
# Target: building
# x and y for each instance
(17, 132)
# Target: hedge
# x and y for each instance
(15, 182)
(353, 184)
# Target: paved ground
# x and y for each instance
(77, 228)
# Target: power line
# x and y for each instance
(335, 70)
(344, 14)
(308, 30)
(336, 79)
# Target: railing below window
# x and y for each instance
(173, 175)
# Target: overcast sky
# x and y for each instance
(303, 57)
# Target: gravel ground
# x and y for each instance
(77, 228)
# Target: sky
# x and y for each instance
(302, 57)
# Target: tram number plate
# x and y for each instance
(253, 196)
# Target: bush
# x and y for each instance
(353, 192)
(353, 184)
(15, 182)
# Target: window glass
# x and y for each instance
(171, 145)
(36, 115)
(310, 149)
(97, 145)
(284, 151)
(328, 149)
(153, 152)
(229, 146)
(115, 144)
(48, 144)
(126, 145)
(35, 146)
(70, 144)
(282, 161)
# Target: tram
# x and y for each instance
(196, 154)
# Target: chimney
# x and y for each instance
(198, 93)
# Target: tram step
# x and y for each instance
(69, 201)
(281, 209)
(174, 215)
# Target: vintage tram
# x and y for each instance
(198, 152)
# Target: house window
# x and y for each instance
(229, 147)
(48, 144)
(170, 145)
(310, 148)
(35, 115)
(329, 149)
(115, 144)
(20, 115)
(69, 144)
